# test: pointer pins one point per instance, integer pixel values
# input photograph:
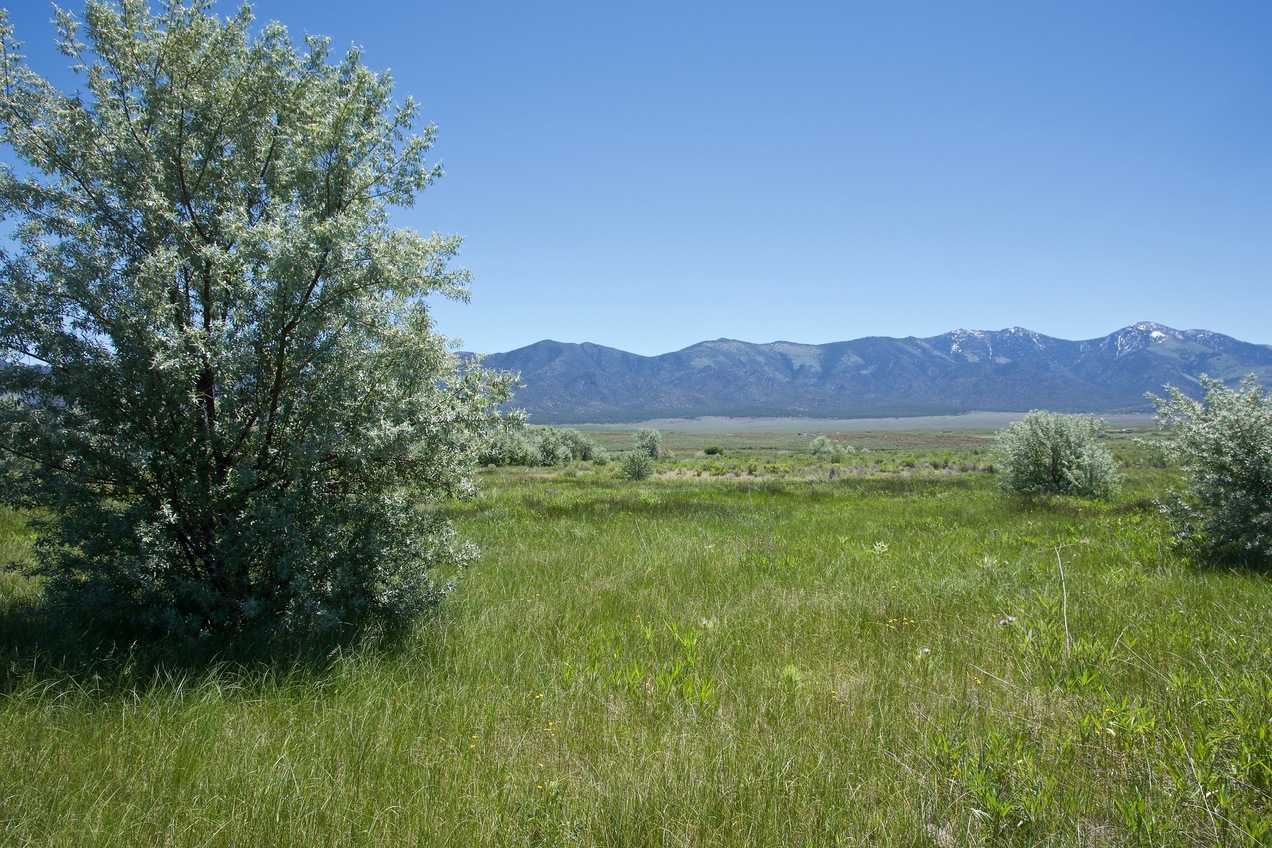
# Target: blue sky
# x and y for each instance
(646, 176)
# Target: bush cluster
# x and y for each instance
(821, 446)
(541, 446)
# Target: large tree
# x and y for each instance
(221, 383)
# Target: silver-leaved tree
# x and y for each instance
(221, 387)
(1223, 443)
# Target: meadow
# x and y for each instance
(763, 647)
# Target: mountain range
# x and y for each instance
(959, 371)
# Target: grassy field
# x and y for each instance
(760, 648)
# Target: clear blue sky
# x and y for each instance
(646, 176)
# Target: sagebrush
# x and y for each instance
(1051, 453)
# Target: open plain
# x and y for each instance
(874, 646)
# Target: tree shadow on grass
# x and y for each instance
(39, 650)
(1231, 558)
(1074, 507)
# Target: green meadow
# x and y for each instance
(873, 646)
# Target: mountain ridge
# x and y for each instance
(1013, 369)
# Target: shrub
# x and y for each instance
(820, 446)
(713, 450)
(841, 453)
(514, 444)
(510, 446)
(1049, 453)
(558, 445)
(551, 446)
(649, 441)
(1224, 445)
(637, 465)
(580, 445)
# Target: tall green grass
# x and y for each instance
(892, 657)
(16, 541)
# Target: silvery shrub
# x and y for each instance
(1050, 453)
(1223, 443)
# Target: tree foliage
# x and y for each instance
(1224, 444)
(1050, 453)
(220, 376)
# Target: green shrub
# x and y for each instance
(820, 446)
(637, 465)
(510, 446)
(1050, 453)
(514, 444)
(551, 446)
(713, 450)
(649, 441)
(1224, 444)
(580, 445)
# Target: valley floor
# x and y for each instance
(971, 421)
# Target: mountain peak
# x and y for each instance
(1139, 336)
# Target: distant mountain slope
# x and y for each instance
(960, 371)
